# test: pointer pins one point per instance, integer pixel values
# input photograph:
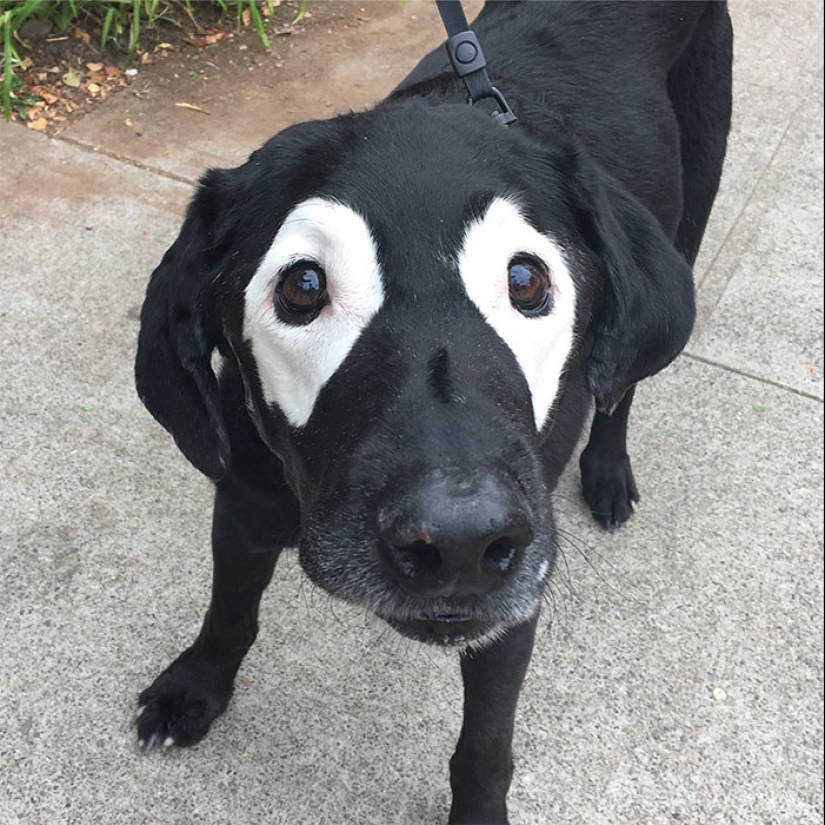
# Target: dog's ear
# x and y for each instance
(649, 304)
(179, 331)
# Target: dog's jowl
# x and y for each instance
(415, 310)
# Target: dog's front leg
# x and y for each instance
(607, 478)
(482, 766)
(247, 537)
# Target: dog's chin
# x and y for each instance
(448, 630)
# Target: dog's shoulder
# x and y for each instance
(553, 41)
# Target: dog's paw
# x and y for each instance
(181, 704)
(608, 486)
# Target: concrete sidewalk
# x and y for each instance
(681, 681)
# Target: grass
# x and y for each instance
(121, 23)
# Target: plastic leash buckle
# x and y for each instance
(467, 58)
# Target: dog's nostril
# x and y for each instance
(451, 535)
(415, 560)
(499, 556)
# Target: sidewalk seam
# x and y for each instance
(99, 150)
(735, 225)
(745, 374)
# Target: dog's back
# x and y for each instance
(633, 81)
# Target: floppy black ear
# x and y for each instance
(178, 333)
(649, 304)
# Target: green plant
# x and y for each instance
(118, 19)
(11, 16)
(302, 10)
(257, 20)
(20, 99)
(130, 15)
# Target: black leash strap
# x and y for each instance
(468, 61)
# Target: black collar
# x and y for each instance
(468, 61)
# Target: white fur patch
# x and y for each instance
(541, 344)
(294, 362)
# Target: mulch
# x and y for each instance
(65, 75)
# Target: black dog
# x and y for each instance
(414, 308)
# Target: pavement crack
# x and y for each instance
(745, 374)
(100, 150)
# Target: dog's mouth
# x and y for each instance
(444, 629)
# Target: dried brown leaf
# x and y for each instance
(193, 108)
(208, 39)
(71, 78)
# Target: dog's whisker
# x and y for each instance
(575, 541)
(567, 576)
(576, 502)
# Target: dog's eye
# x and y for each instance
(301, 292)
(529, 280)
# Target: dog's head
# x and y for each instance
(406, 293)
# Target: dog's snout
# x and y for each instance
(455, 536)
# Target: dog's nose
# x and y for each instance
(455, 535)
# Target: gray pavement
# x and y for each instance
(681, 678)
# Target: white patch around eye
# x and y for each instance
(540, 344)
(294, 362)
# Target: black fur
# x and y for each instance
(421, 455)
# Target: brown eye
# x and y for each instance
(301, 292)
(529, 282)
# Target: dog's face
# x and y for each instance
(405, 293)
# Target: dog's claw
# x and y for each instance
(178, 708)
(147, 745)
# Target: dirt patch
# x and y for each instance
(67, 75)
